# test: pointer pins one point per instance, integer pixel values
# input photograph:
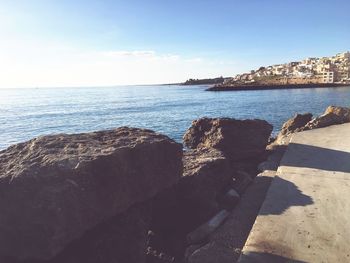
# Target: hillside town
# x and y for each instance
(335, 69)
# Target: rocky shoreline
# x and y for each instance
(133, 195)
(274, 87)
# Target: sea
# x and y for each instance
(168, 109)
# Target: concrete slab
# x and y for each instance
(306, 213)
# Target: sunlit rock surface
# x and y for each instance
(237, 139)
(55, 188)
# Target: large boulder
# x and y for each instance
(237, 139)
(333, 115)
(179, 210)
(56, 188)
(122, 238)
(206, 174)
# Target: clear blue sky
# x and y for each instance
(61, 42)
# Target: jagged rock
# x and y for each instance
(295, 123)
(333, 115)
(302, 122)
(206, 173)
(179, 210)
(56, 188)
(237, 139)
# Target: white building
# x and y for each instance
(328, 76)
(343, 55)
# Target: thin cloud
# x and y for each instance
(151, 54)
(135, 53)
(195, 60)
(44, 64)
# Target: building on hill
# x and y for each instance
(335, 69)
(328, 77)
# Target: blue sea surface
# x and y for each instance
(31, 112)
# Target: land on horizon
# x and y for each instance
(311, 72)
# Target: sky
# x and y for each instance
(60, 43)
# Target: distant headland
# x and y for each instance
(208, 81)
(309, 73)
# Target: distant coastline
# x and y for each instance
(275, 87)
(333, 71)
(208, 81)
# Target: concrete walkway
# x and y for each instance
(306, 213)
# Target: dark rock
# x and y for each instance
(242, 182)
(237, 139)
(206, 173)
(295, 123)
(194, 199)
(119, 239)
(212, 253)
(190, 250)
(203, 231)
(333, 115)
(180, 209)
(56, 188)
(230, 199)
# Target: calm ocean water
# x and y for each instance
(28, 113)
